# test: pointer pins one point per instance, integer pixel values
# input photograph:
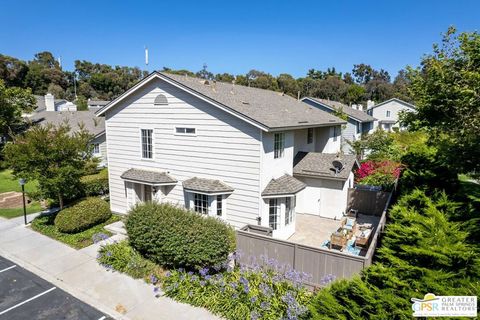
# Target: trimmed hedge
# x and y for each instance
(174, 237)
(83, 215)
(95, 184)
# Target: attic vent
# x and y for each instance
(206, 82)
(245, 102)
(302, 121)
(160, 100)
(332, 120)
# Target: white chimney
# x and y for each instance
(49, 102)
(370, 104)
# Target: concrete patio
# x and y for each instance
(314, 230)
(78, 273)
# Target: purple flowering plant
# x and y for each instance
(263, 290)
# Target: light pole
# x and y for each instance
(22, 183)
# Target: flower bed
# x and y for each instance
(378, 173)
(270, 291)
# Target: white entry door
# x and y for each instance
(135, 194)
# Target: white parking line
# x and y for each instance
(102, 318)
(28, 300)
(8, 268)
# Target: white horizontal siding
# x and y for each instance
(224, 148)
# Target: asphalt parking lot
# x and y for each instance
(24, 295)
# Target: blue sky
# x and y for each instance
(233, 36)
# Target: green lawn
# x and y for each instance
(9, 183)
(45, 225)
(33, 207)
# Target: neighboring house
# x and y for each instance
(387, 113)
(224, 150)
(358, 121)
(50, 110)
(96, 104)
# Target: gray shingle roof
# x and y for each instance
(353, 113)
(150, 177)
(271, 109)
(315, 164)
(285, 185)
(206, 185)
(102, 103)
(93, 124)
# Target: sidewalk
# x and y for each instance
(78, 273)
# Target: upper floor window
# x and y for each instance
(180, 130)
(278, 145)
(96, 148)
(160, 100)
(147, 143)
(200, 203)
(309, 135)
(388, 113)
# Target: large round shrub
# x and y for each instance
(175, 237)
(95, 184)
(83, 215)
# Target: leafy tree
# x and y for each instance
(288, 84)
(204, 73)
(81, 103)
(13, 102)
(354, 94)
(53, 156)
(446, 90)
(12, 71)
(224, 77)
(43, 71)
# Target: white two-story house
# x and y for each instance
(387, 113)
(358, 122)
(241, 154)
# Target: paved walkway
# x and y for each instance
(78, 273)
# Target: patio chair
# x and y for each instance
(338, 239)
(349, 224)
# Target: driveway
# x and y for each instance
(24, 295)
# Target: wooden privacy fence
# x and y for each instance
(368, 202)
(254, 242)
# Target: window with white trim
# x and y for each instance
(147, 143)
(278, 145)
(181, 130)
(219, 205)
(309, 135)
(388, 113)
(96, 148)
(335, 133)
(288, 211)
(200, 203)
(273, 213)
(359, 127)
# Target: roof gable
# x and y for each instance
(354, 114)
(265, 109)
(409, 105)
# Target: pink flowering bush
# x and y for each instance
(378, 173)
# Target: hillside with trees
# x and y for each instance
(101, 81)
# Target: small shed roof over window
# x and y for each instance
(160, 100)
